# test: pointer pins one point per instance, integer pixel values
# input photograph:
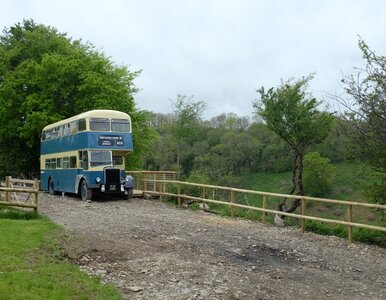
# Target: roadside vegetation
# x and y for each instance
(32, 266)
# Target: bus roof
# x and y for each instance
(96, 113)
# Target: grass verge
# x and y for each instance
(30, 267)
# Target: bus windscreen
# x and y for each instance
(100, 158)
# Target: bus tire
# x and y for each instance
(51, 187)
(85, 192)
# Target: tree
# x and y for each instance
(365, 114)
(293, 115)
(45, 77)
(187, 113)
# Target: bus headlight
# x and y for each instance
(97, 180)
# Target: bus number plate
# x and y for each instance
(113, 187)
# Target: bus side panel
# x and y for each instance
(44, 175)
(92, 176)
(88, 140)
(64, 179)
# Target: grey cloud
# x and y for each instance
(220, 51)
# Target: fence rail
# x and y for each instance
(11, 189)
(163, 188)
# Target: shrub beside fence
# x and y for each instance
(20, 193)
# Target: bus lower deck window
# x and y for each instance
(59, 162)
(83, 159)
(66, 162)
(72, 162)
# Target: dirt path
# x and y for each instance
(152, 250)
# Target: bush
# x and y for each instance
(317, 174)
(376, 188)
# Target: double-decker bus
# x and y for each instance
(86, 153)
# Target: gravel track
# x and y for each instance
(151, 250)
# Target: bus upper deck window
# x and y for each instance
(82, 125)
(74, 127)
(99, 124)
(120, 125)
(59, 131)
(54, 133)
(48, 134)
(66, 130)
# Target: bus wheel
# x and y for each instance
(51, 187)
(85, 192)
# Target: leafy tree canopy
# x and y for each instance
(292, 114)
(366, 108)
(46, 76)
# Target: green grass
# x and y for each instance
(30, 264)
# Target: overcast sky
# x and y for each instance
(220, 51)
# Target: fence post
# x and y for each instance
(264, 214)
(164, 184)
(8, 185)
(160, 191)
(179, 195)
(154, 182)
(303, 222)
(232, 201)
(203, 196)
(144, 183)
(349, 219)
(137, 181)
(36, 189)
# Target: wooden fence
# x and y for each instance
(145, 181)
(20, 193)
(173, 188)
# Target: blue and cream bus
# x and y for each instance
(86, 154)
